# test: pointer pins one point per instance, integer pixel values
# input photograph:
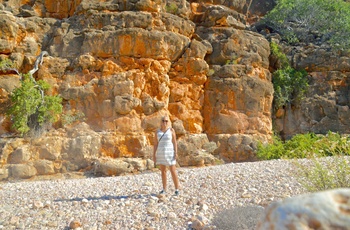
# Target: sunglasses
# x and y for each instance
(164, 121)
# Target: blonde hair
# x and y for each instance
(164, 117)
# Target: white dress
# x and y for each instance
(165, 150)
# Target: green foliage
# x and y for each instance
(30, 108)
(275, 150)
(328, 18)
(319, 172)
(72, 116)
(324, 173)
(290, 85)
(171, 8)
(6, 64)
(211, 72)
(305, 145)
(231, 62)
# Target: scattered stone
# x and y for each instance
(38, 204)
(74, 224)
(98, 203)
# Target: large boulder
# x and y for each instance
(323, 210)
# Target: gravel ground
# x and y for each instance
(229, 196)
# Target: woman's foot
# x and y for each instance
(177, 192)
(162, 192)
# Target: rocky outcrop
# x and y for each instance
(325, 107)
(323, 210)
(120, 65)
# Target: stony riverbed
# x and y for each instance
(229, 196)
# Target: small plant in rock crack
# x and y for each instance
(290, 85)
(70, 117)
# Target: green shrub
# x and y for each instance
(320, 174)
(30, 108)
(72, 116)
(6, 64)
(305, 146)
(290, 85)
(328, 18)
(171, 8)
(274, 150)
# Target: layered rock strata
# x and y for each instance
(120, 65)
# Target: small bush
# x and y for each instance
(319, 172)
(324, 173)
(274, 150)
(305, 146)
(6, 64)
(171, 8)
(72, 116)
(290, 85)
(30, 108)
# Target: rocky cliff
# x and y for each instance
(121, 65)
(326, 105)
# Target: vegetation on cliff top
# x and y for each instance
(327, 21)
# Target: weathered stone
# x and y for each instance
(125, 104)
(325, 108)
(50, 148)
(322, 210)
(4, 173)
(112, 167)
(20, 155)
(8, 33)
(238, 105)
(236, 47)
(44, 167)
(191, 151)
(9, 82)
(22, 171)
(75, 224)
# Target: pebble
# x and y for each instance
(133, 202)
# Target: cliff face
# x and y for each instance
(124, 64)
(326, 104)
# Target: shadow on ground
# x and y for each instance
(240, 218)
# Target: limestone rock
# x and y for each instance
(322, 210)
(4, 173)
(9, 32)
(75, 224)
(44, 167)
(112, 167)
(20, 155)
(191, 151)
(22, 171)
(121, 65)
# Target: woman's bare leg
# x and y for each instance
(172, 169)
(163, 172)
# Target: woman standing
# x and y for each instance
(165, 152)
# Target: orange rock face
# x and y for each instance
(120, 65)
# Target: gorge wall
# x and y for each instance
(120, 65)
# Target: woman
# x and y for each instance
(165, 152)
